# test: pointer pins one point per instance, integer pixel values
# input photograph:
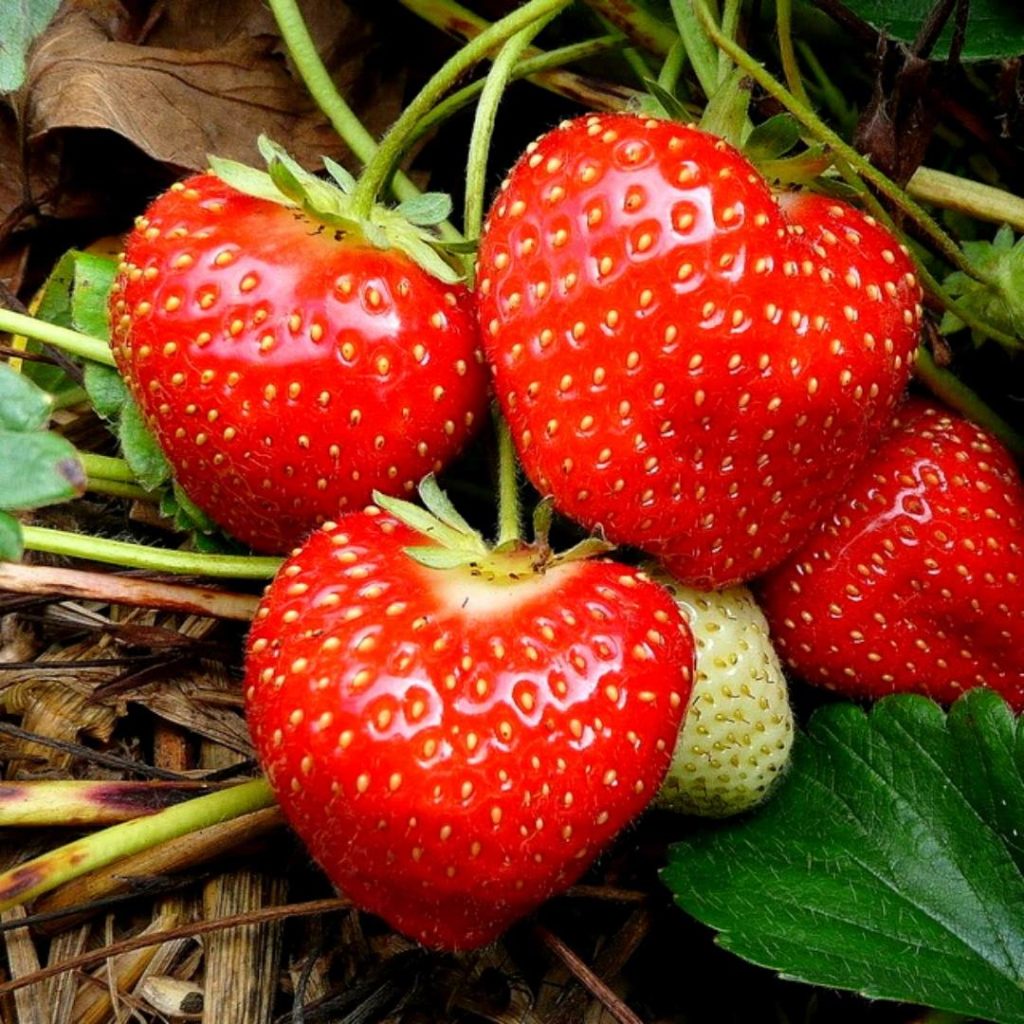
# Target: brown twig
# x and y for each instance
(130, 590)
(583, 974)
(188, 931)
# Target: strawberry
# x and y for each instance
(914, 582)
(736, 739)
(686, 360)
(287, 366)
(457, 735)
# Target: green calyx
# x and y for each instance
(458, 546)
(409, 227)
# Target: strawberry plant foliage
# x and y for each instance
(890, 862)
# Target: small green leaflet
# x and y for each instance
(23, 406)
(93, 279)
(890, 862)
(20, 22)
(995, 28)
(11, 542)
(38, 468)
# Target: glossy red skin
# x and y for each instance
(711, 419)
(914, 584)
(271, 441)
(449, 766)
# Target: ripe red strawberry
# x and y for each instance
(286, 367)
(455, 745)
(685, 359)
(914, 582)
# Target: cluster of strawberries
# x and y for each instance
(688, 363)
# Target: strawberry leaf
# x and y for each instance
(93, 279)
(890, 861)
(38, 469)
(23, 405)
(12, 543)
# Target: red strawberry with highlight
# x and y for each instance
(687, 360)
(457, 735)
(914, 583)
(288, 365)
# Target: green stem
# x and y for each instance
(68, 397)
(668, 77)
(105, 467)
(63, 338)
(461, 22)
(44, 873)
(509, 524)
(118, 489)
(527, 68)
(947, 386)
(821, 131)
(730, 27)
(378, 169)
(951, 192)
(698, 46)
(790, 67)
(483, 124)
(640, 26)
(141, 556)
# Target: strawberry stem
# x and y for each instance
(44, 873)
(483, 124)
(527, 68)
(790, 67)
(954, 392)
(951, 192)
(118, 489)
(668, 77)
(141, 556)
(453, 18)
(509, 512)
(104, 467)
(63, 338)
(377, 171)
(823, 133)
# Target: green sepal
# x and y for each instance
(802, 168)
(23, 405)
(543, 516)
(429, 525)
(90, 293)
(591, 547)
(466, 247)
(426, 210)
(248, 180)
(342, 176)
(665, 104)
(443, 558)
(140, 448)
(772, 139)
(38, 469)
(437, 502)
(726, 112)
(106, 390)
(12, 544)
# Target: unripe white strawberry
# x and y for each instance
(736, 739)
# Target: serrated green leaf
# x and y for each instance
(140, 448)
(38, 469)
(12, 544)
(995, 28)
(426, 210)
(23, 405)
(772, 138)
(106, 390)
(92, 281)
(197, 518)
(20, 22)
(890, 861)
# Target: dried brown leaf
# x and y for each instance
(176, 105)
